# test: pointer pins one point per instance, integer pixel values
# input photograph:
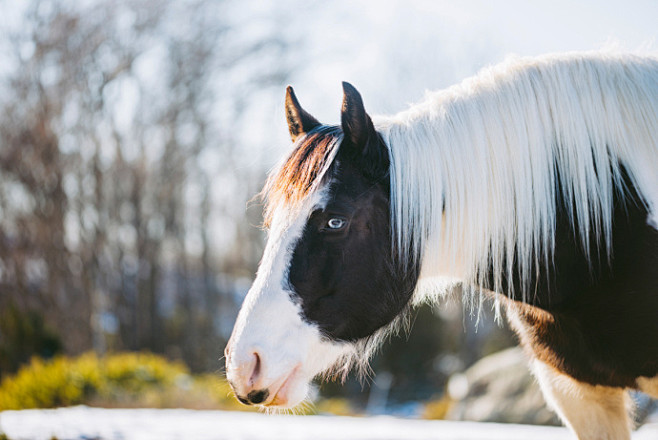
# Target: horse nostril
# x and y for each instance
(256, 371)
(257, 397)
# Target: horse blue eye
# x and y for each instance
(336, 223)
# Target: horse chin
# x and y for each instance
(293, 392)
(325, 362)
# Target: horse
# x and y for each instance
(535, 182)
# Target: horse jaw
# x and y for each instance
(272, 347)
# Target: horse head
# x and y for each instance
(329, 280)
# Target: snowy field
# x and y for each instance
(83, 423)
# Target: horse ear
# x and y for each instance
(299, 120)
(359, 130)
(355, 122)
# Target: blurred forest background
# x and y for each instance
(133, 134)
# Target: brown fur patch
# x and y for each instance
(302, 171)
(560, 342)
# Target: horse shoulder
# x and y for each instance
(591, 315)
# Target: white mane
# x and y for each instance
(474, 168)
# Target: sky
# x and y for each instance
(396, 49)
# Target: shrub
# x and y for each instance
(127, 375)
(66, 381)
(131, 380)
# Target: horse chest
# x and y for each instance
(598, 325)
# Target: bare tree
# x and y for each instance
(109, 114)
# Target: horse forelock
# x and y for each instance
(302, 171)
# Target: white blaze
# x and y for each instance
(270, 322)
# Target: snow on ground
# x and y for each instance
(84, 423)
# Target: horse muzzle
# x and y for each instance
(273, 354)
(257, 379)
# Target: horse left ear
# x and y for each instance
(355, 122)
(300, 121)
(360, 133)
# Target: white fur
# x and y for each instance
(270, 322)
(488, 149)
(592, 412)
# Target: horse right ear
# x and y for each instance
(362, 139)
(300, 121)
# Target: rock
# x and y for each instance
(499, 388)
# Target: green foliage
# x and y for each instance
(70, 381)
(132, 374)
(127, 380)
(23, 335)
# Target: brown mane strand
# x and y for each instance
(304, 169)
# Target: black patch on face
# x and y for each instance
(343, 270)
(347, 279)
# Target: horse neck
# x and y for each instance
(476, 169)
